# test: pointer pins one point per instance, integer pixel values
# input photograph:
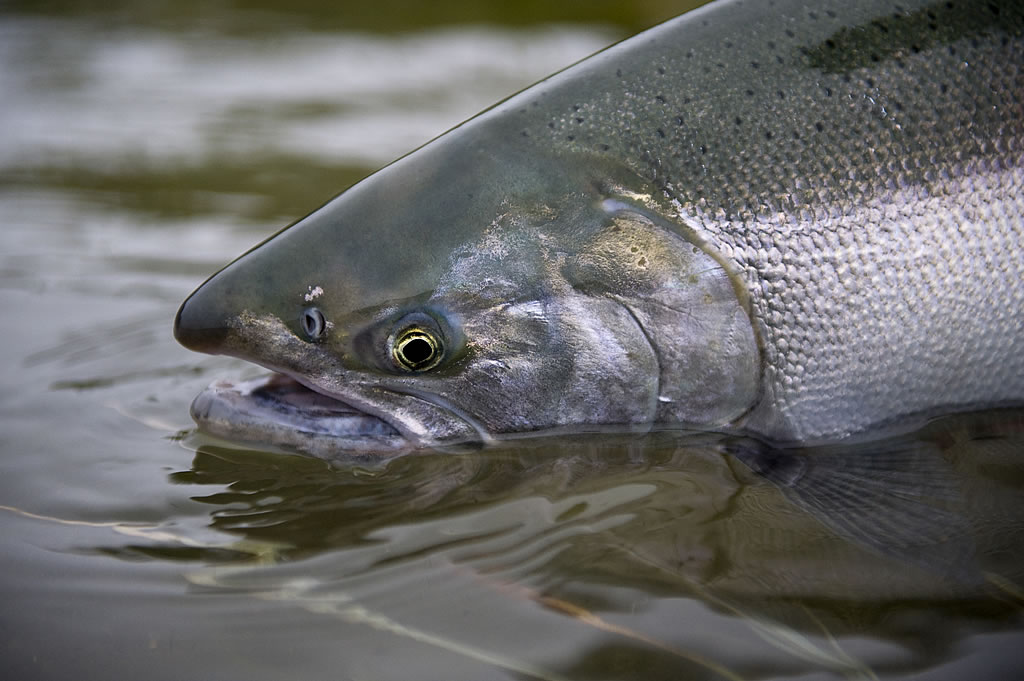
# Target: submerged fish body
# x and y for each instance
(796, 222)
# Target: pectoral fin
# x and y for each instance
(898, 498)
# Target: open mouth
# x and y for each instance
(278, 410)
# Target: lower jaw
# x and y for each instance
(277, 410)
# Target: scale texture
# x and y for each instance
(858, 165)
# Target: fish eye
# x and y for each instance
(313, 323)
(416, 349)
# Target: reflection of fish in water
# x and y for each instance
(662, 536)
(934, 517)
(797, 222)
(899, 498)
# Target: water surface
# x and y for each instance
(146, 146)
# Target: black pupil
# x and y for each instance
(417, 351)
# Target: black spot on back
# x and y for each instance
(889, 37)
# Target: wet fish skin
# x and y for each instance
(799, 222)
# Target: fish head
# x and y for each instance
(461, 295)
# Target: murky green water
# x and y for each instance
(144, 147)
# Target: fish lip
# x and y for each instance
(362, 406)
(269, 411)
(483, 435)
(233, 410)
(417, 439)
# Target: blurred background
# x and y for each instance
(261, 111)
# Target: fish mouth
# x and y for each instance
(276, 409)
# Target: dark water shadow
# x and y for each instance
(914, 540)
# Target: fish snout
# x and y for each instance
(201, 324)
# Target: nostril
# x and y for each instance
(313, 323)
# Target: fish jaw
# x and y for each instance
(278, 410)
(310, 404)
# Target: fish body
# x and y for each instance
(798, 222)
